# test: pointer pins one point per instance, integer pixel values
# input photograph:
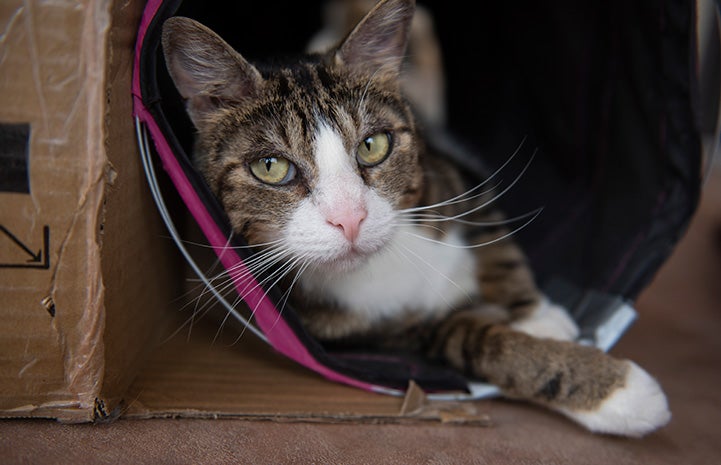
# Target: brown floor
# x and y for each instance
(677, 339)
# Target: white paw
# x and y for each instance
(548, 321)
(635, 409)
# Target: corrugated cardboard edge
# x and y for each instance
(330, 418)
(85, 365)
(141, 268)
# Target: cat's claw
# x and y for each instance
(548, 321)
(635, 409)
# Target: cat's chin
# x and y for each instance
(348, 261)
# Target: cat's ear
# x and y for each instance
(207, 72)
(378, 43)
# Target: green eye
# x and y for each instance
(273, 170)
(374, 149)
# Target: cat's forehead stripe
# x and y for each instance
(331, 157)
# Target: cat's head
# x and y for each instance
(315, 156)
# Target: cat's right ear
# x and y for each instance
(378, 42)
(207, 72)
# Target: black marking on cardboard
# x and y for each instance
(99, 409)
(38, 260)
(49, 305)
(14, 157)
(101, 413)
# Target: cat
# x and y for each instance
(320, 163)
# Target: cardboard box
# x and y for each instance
(89, 278)
(86, 271)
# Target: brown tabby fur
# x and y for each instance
(244, 112)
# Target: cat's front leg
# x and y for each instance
(505, 279)
(602, 393)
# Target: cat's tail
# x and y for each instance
(602, 393)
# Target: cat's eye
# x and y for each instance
(273, 170)
(374, 149)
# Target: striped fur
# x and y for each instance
(407, 276)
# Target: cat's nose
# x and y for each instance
(349, 221)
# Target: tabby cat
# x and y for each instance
(320, 163)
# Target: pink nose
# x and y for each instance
(349, 221)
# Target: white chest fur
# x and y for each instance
(411, 274)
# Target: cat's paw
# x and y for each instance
(548, 321)
(635, 409)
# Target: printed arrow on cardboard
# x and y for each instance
(40, 259)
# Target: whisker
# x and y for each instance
(503, 222)
(248, 289)
(483, 244)
(460, 198)
(212, 267)
(282, 272)
(258, 266)
(438, 218)
(227, 245)
(422, 225)
(501, 193)
(478, 186)
(199, 310)
(286, 295)
(245, 292)
(224, 283)
(253, 267)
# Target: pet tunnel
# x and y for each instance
(608, 92)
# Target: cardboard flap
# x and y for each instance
(51, 340)
(203, 372)
(85, 272)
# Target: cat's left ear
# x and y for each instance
(207, 72)
(377, 45)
